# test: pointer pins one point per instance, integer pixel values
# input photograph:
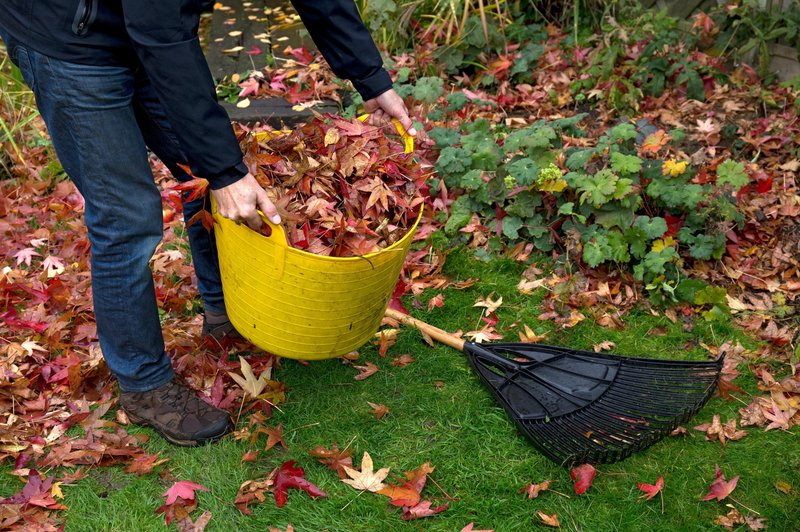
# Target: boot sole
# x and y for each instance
(136, 420)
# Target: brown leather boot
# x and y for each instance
(177, 413)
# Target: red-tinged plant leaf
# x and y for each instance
(250, 456)
(193, 189)
(396, 303)
(436, 301)
(404, 495)
(36, 492)
(583, 476)
(386, 339)
(703, 22)
(725, 387)
(720, 487)
(274, 437)
(402, 361)
(180, 501)
(253, 490)
(653, 143)
(533, 490)
(421, 510)
(378, 409)
(144, 464)
(184, 489)
(366, 371)
(333, 458)
(419, 476)
(204, 217)
(651, 490)
(549, 520)
(289, 476)
(187, 525)
(717, 431)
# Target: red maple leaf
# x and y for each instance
(289, 476)
(184, 489)
(651, 490)
(192, 189)
(583, 476)
(423, 509)
(180, 500)
(333, 458)
(37, 492)
(720, 488)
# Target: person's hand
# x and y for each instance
(240, 202)
(386, 106)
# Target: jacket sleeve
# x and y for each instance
(163, 34)
(337, 30)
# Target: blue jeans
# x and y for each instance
(101, 120)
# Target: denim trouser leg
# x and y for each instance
(160, 137)
(89, 113)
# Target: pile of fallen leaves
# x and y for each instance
(343, 188)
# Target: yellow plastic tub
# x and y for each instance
(297, 304)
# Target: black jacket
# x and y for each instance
(161, 35)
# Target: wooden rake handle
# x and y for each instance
(434, 332)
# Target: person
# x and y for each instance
(112, 78)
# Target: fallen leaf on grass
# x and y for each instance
(378, 410)
(720, 488)
(583, 476)
(144, 463)
(402, 361)
(735, 518)
(36, 492)
(651, 490)
(717, 431)
(183, 489)
(366, 479)
(249, 383)
(489, 304)
(532, 490)
(366, 371)
(423, 509)
(403, 495)
(549, 520)
(251, 491)
(528, 336)
(274, 437)
(606, 345)
(385, 339)
(180, 500)
(333, 458)
(436, 301)
(187, 525)
(288, 476)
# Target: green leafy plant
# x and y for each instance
(605, 199)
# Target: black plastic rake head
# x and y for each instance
(584, 407)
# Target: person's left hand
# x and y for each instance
(386, 106)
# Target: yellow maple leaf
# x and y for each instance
(366, 479)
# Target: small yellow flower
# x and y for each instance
(674, 168)
(660, 244)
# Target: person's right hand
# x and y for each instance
(241, 201)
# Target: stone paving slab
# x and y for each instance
(241, 40)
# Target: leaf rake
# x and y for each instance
(583, 407)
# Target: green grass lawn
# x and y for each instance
(480, 459)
